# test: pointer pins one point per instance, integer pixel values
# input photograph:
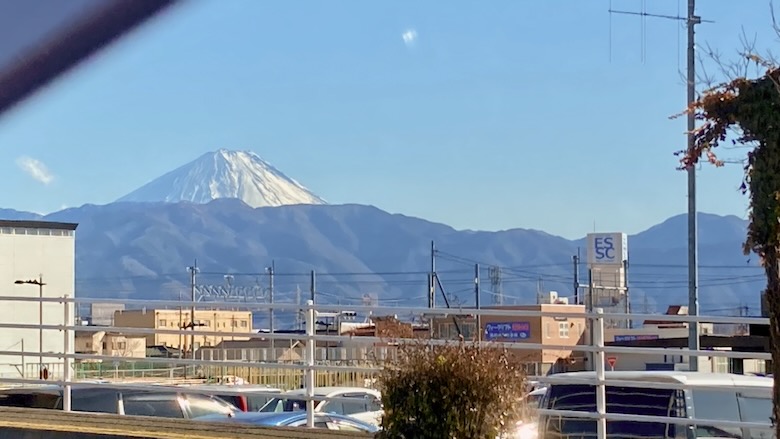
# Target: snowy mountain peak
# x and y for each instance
(226, 174)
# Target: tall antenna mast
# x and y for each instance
(691, 20)
(494, 273)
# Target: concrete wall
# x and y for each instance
(26, 252)
(53, 424)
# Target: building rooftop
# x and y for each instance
(31, 224)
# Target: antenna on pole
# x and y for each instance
(494, 273)
(690, 20)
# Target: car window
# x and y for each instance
(374, 404)
(717, 405)
(255, 402)
(231, 399)
(336, 407)
(352, 407)
(31, 400)
(101, 402)
(623, 400)
(755, 409)
(161, 406)
(285, 405)
(202, 406)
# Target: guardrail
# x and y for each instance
(308, 369)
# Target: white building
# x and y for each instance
(31, 251)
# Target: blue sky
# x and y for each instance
(494, 115)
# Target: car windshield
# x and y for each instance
(620, 399)
(285, 405)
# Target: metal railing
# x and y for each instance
(308, 370)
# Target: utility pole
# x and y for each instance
(313, 286)
(271, 309)
(432, 292)
(691, 20)
(193, 272)
(626, 297)
(477, 294)
(298, 317)
(42, 372)
(576, 261)
(589, 302)
(693, 226)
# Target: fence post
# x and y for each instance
(310, 353)
(601, 392)
(66, 359)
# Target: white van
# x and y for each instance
(711, 396)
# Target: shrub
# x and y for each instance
(452, 391)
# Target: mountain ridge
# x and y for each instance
(138, 250)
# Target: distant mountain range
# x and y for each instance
(362, 254)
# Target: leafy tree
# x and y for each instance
(750, 108)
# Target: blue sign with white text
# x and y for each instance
(508, 330)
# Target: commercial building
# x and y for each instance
(234, 324)
(37, 258)
(664, 333)
(567, 328)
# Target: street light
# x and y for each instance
(39, 282)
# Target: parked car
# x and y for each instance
(365, 404)
(247, 398)
(163, 402)
(331, 421)
(708, 396)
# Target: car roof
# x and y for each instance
(332, 391)
(233, 388)
(682, 377)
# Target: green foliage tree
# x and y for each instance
(751, 109)
(454, 391)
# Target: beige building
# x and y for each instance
(234, 325)
(567, 328)
(37, 258)
(110, 344)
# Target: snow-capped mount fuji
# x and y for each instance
(226, 174)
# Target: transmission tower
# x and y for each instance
(494, 273)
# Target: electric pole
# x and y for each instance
(693, 223)
(691, 20)
(313, 286)
(193, 272)
(432, 291)
(576, 262)
(478, 304)
(271, 309)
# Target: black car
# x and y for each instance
(162, 403)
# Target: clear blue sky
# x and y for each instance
(494, 115)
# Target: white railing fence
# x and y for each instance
(306, 367)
